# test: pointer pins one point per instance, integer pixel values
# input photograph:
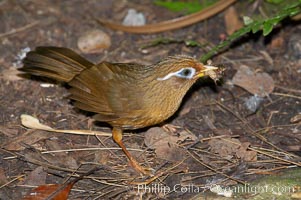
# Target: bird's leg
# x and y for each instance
(117, 137)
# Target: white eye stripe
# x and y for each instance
(167, 76)
(187, 73)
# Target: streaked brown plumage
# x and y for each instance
(125, 95)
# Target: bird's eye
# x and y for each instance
(186, 73)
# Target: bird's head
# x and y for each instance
(182, 71)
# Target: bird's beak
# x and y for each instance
(206, 69)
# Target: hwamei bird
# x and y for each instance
(127, 96)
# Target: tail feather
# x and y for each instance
(65, 55)
(58, 63)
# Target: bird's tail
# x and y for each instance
(57, 63)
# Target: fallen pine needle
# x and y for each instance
(88, 149)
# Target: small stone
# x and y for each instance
(94, 41)
(253, 103)
(133, 18)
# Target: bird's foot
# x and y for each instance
(143, 170)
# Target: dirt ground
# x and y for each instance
(215, 138)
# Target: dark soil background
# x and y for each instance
(268, 140)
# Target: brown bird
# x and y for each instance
(127, 96)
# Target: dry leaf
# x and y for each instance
(230, 147)
(260, 84)
(244, 154)
(277, 43)
(33, 123)
(10, 74)
(45, 191)
(223, 148)
(156, 137)
(170, 153)
(36, 177)
(165, 145)
(60, 159)
(29, 138)
(232, 21)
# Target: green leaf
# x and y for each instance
(256, 27)
(247, 20)
(266, 25)
(267, 28)
(275, 1)
(187, 6)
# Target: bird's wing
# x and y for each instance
(110, 90)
